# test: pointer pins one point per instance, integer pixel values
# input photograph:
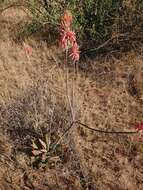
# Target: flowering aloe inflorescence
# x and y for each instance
(68, 37)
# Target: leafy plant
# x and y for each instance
(94, 20)
(43, 153)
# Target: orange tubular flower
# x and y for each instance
(28, 50)
(68, 37)
(75, 52)
(66, 20)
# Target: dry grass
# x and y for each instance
(108, 94)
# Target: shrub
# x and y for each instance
(95, 21)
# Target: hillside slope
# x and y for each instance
(108, 94)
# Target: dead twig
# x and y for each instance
(92, 129)
(105, 43)
(11, 6)
(105, 131)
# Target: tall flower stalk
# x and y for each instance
(68, 43)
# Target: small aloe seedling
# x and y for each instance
(36, 150)
(42, 152)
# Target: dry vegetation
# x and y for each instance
(108, 95)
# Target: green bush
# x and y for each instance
(95, 21)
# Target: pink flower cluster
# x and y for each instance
(68, 37)
(139, 126)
